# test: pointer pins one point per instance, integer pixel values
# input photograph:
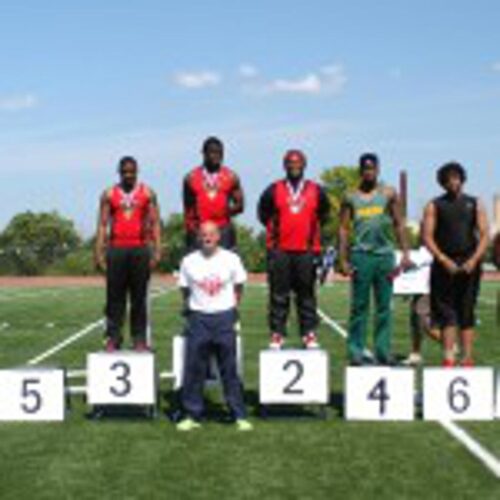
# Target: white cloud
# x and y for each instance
(496, 66)
(309, 84)
(248, 71)
(18, 102)
(197, 80)
(327, 80)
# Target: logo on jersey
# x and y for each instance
(212, 285)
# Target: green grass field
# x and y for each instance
(289, 458)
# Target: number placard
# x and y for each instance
(458, 394)
(123, 378)
(293, 376)
(32, 394)
(379, 393)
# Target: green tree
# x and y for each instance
(173, 242)
(33, 241)
(251, 247)
(337, 181)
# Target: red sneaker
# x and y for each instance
(310, 341)
(448, 363)
(467, 363)
(277, 341)
(141, 346)
(111, 346)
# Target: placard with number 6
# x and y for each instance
(124, 378)
(458, 394)
(294, 376)
(379, 393)
(32, 394)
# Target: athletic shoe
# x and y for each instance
(244, 425)
(111, 346)
(368, 358)
(277, 341)
(310, 341)
(414, 359)
(141, 346)
(448, 363)
(467, 363)
(187, 424)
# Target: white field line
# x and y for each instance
(81, 333)
(473, 446)
(332, 324)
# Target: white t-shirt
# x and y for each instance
(211, 280)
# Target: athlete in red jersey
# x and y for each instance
(212, 192)
(293, 210)
(128, 246)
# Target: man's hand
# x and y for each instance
(450, 266)
(155, 258)
(469, 266)
(346, 269)
(406, 263)
(100, 261)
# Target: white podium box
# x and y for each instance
(32, 394)
(379, 393)
(121, 378)
(458, 394)
(213, 376)
(294, 376)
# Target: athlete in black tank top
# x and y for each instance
(456, 233)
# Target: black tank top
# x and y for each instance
(456, 225)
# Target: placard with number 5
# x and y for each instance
(32, 394)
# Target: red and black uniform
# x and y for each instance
(293, 215)
(211, 196)
(128, 259)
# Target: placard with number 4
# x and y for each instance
(379, 393)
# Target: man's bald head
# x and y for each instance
(209, 236)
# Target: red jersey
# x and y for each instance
(208, 197)
(129, 216)
(295, 225)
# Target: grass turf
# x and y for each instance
(284, 458)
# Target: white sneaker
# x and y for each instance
(277, 341)
(310, 341)
(414, 359)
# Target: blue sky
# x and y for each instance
(84, 83)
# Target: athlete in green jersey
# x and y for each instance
(370, 223)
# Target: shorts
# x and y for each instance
(454, 297)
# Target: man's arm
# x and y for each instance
(265, 208)
(346, 212)
(237, 198)
(399, 227)
(154, 216)
(428, 230)
(482, 226)
(101, 240)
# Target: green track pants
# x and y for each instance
(372, 272)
